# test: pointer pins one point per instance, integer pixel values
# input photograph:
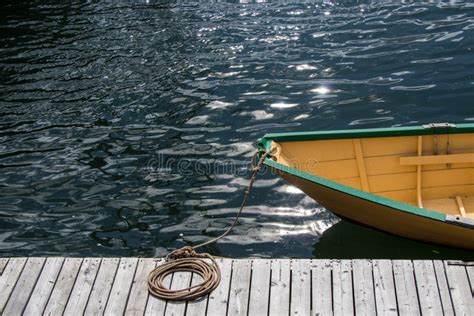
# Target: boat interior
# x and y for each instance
(434, 172)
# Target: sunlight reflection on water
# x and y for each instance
(128, 127)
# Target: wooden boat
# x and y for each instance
(416, 182)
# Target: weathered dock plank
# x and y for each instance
(81, 291)
(156, 306)
(24, 286)
(239, 291)
(66, 279)
(121, 287)
(405, 284)
(102, 286)
(44, 286)
(197, 307)
(9, 278)
(427, 286)
(300, 287)
(260, 287)
(443, 288)
(470, 274)
(385, 297)
(3, 264)
(219, 298)
(280, 287)
(461, 292)
(363, 287)
(118, 286)
(322, 287)
(139, 293)
(342, 287)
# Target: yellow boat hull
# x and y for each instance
(415, 182)
(383, 217)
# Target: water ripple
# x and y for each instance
(126, 129)
(413, 88)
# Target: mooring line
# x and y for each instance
(186, 259)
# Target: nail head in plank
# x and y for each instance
(240, 287)
(157, 306)
(82, 288)
(139, 293)
(24, 286)
(300, 287)
(363, 287)
(342, 287)
(461, 292)
(121, 287)
(219, 298)
(102, 286)
(44, 286)
(9, 278)
(67, 276)
(405, 286)
(443, 287)
(322, 287)
(197, 307)
(384, 287)
(260, 287)
(430, 302)
(280, 287)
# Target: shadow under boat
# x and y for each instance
(346, 240)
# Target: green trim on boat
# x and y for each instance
(366, 133)
(358, 193)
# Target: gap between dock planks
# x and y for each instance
(116, 286)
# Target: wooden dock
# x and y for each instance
(117, 286)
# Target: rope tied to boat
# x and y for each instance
(187, 259)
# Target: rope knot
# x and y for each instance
(185, 252)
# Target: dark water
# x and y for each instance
(125, 129)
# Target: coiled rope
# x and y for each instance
(186, 259)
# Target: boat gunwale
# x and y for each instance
(366, 133)
(266, 142)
